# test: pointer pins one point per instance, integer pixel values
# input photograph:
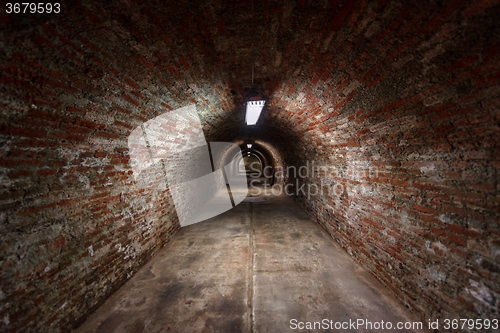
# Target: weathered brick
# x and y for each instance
(407, 89)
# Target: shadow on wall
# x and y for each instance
(170, 151)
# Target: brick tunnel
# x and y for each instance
(389, 110)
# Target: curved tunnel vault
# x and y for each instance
(390, 108)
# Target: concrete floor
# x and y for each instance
(251, 269)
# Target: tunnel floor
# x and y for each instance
(251, 269)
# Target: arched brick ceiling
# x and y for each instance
(315, 61)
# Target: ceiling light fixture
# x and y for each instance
(249, 145)
(254, 108)
(255, 103)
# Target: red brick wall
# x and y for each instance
(75, 224)
(404, 108)
(406, 92)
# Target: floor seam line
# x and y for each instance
(250, 272)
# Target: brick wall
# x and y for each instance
(402, 108)
(75, 223)
(398, 99)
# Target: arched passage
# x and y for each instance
(252, 164)
(389, 109)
